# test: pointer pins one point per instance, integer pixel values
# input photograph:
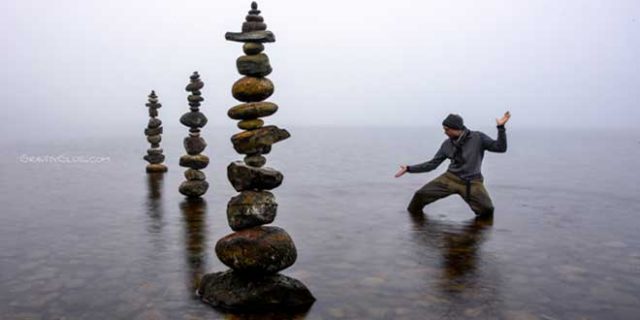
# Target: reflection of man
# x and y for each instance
(459, 245)
(465, 149)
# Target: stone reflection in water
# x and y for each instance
(155, 210)
(467, 283)
(195, 239)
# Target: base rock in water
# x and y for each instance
(235, 292)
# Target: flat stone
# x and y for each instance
(154, 123)
(193, 188)
(257, 250)
(153, 105)
(248, 111)
(253, 36)
(255, 160)
(251, 48)
(232, 291)
(154, 158)
(153, 131)
(194, 144)
(244, 177)
(251, 209)
(192, 174)
(199, 161)
(251, 89)
(195, 98)
(194, 119)
(258, 140)
(194, 85)
(254, 18)
(154, 151)
(154, 139)
(152, 168)
(256, 65)
(250, 124)
(254, 26)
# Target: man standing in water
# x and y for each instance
(465, 149)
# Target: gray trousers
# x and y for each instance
(447, 184)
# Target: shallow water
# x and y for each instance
(107, 241)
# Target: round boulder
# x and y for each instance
(251, 209)
(250, 89)
(259, 250)
(232, 291)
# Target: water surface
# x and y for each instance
(107, 241)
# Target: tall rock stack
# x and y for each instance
(194, 144)
(254, 252)
(153, 132)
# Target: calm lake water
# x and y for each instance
(105, 240)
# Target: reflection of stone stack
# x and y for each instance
(256, 253)
(194, 144)
(153, 132)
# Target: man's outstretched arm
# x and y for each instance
(499, 145)
(425, 166)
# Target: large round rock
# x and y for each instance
(251, 209)
(250, 89)
(194, 145)
(236, 292)
(257, 250)
(193, 188)
(194, 119)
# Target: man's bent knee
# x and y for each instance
(484, 211)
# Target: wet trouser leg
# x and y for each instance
(437, 188)
(479, 199)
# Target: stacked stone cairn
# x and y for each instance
(254, 252)
(153, 132)
(194, 144)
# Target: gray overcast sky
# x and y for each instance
(70, 65)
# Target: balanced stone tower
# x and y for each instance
(194, 144)
(254, 252)
(153, 132)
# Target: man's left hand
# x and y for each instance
(502, 121)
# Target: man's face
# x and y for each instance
(451, 133)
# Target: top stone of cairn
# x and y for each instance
(253, 29)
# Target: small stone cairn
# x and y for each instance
(254, 252)
(153, 132)
(194, 144)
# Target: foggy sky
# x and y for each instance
(74, 66)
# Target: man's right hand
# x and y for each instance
(403, 170)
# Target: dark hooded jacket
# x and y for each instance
(465, 152)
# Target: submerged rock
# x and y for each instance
(193, 188)
(259, 250)
(231, 291)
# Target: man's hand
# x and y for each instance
(403, 170)
(504, 119)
